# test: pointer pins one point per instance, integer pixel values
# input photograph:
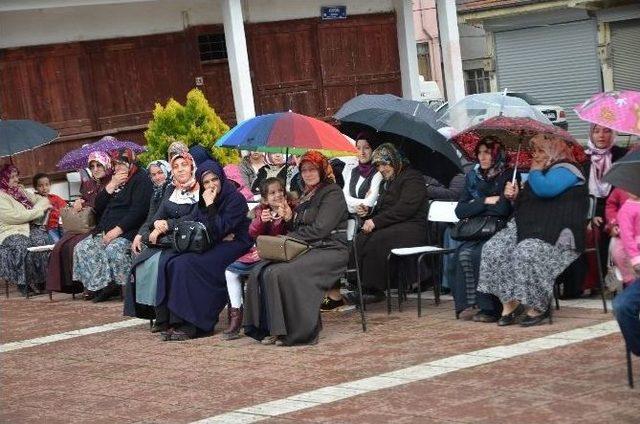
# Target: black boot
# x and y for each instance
(112, 290)
(235, 323)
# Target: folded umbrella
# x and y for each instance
(625, 173)
(77, 159)
(21, 135)
(514, 134)
(289, 133)
(618, 110)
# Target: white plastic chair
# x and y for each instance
(439, 211)
(73, 185)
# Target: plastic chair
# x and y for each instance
(439, 211)
(73, 185)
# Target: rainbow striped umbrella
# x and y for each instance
(289, 133)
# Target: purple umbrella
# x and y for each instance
(77, 159)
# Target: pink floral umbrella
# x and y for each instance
(618, 110)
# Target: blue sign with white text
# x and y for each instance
(333, 12)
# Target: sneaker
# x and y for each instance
(329, 304)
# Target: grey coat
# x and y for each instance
(283, 299)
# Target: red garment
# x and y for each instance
(260, 228)
(57, 203)
(614, 202)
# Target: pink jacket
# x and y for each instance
(614, 202)
(629, 222)
(234, 173)
(260, 228)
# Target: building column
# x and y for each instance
(238, 59)
(450, 44)
(408, 53)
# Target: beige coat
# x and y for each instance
(15, 218)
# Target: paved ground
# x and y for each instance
(127, 375)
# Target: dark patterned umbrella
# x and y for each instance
(77, 159)
(21, 135)
(514, 133)
(625, 173)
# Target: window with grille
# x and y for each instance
(477, 81)
(424, 61)
(212, 47)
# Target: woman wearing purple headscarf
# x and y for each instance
(18, 210)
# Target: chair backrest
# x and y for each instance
(351, 229)
(442, 211)
(73, 184)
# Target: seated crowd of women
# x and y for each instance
(508, 278)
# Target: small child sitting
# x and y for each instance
(267, 221)
(42, 186)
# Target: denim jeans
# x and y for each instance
(626, 307)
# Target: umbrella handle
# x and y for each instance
(515, 168)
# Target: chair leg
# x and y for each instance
(436, 281)
(629, 368)
(419, 274)
(121, 292)
(363, 318)
(600, 278)
(50, 295)
(389, 284)
(150, 324)
(551, 311)
(556, 294)
(6, 289)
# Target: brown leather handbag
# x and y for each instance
(77, 222)
(280, 248)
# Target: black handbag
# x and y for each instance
(477, 228)
(191, 236)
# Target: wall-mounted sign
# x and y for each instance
(333, 12)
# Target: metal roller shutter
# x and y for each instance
(557, 64)
(625, 53)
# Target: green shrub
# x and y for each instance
(194, 123)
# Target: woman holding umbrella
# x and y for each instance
(18, 210)
(519, 264)
(59, 275)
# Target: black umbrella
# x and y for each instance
(21, 135)
(390, 103)
(625, 173)
(404, 125)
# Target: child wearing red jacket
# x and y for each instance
(267, 221)
(42, 186)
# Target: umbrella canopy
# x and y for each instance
(287, 132)
(390, 103)
(477, 108)
(77, 159)
(21, 135)
(405, 125)
(625, 173)
(514, 134)
(618, 110)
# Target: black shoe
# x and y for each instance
(511, 318)
(112, 290)
(329, 304)
(484, 317)
(530, 321)
(367, 298)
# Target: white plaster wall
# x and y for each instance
(125, 19)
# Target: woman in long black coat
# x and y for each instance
(283, 300)
(399, 219)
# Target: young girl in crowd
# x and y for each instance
(267, 221)
(42, 186)
(626, 252)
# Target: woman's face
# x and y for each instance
(539, 156)
(121, 167)
(157, 176)
(13, 179)
(484, 157)
(277, 159)
(181, 169)
(97, 169)
(386, 170)
(211, 180)
(364, 151)
(310, 174)
(275, 195)
(256, 156)
(602, 137)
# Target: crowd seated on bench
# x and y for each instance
(508, 278)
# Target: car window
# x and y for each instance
(527, 98)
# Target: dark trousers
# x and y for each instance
(465, 284)
(164, 315)
(626, 307)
